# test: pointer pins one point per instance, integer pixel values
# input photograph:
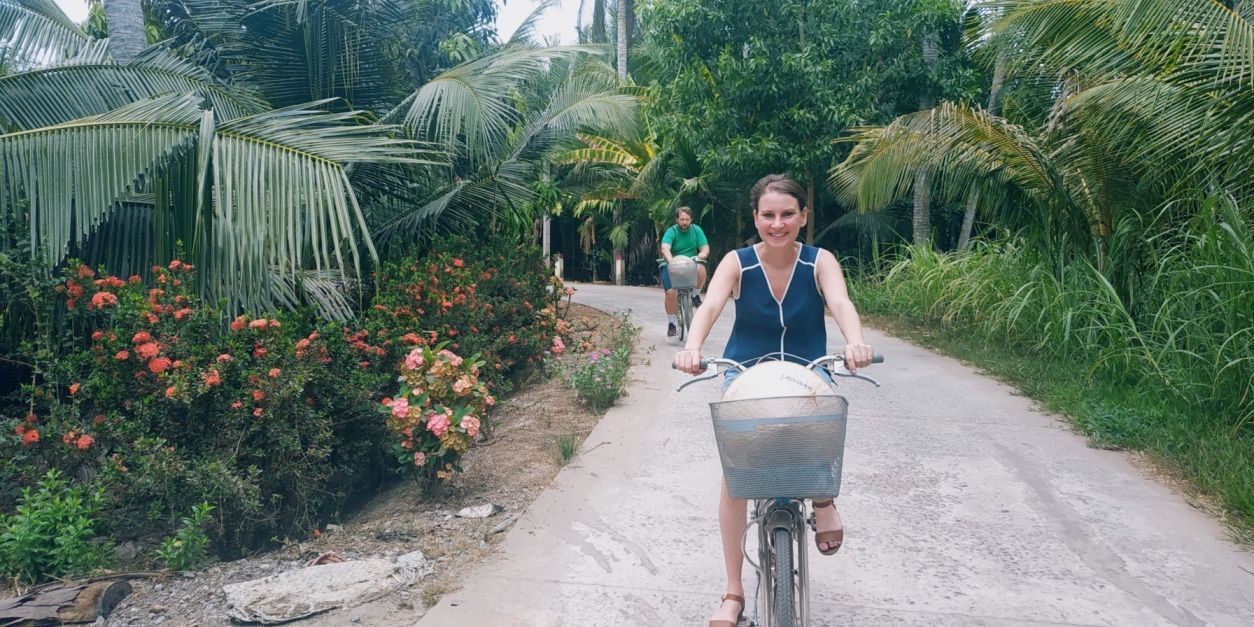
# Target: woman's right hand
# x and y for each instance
(689, 360)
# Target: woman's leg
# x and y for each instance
(732, 520)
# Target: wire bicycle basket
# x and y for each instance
(787, 446)
(683, 272)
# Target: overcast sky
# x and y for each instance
(559, 20)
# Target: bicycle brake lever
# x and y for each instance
(696, 379)
(842, 372)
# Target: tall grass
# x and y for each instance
(1167, 323)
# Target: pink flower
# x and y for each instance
(238, 323)
(84, 442)
(420, 458)
(274, 373)
(489, 400)
(212, 378)
(224, 357)
(122, 356)
(159, 365)
(141, 337)
(414, 359)
(148, 350)
(559, 346)
(471, 424)
(30, 437)
(259, 323)
(461, 385)
(400, 407)
(74, 388)
(451, 357)
(438, 424)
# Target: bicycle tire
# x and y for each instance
(784, 609)
(685, 313)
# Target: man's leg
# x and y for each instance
(670, 302)
(696, 294)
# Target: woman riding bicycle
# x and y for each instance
(780, 287)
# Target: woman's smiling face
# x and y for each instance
(779, 219)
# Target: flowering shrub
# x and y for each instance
(269, 419)
(439, 410)
(500, 305)
(600, 379)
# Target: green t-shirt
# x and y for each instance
(685, 243)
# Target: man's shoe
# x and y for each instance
(671, 331)
(696, 300)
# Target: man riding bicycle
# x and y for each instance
(687, 239)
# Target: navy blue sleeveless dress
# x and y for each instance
(766, 327)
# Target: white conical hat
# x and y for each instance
(770, 379)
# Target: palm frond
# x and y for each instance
(37, 32)
(95, 159)
(91, 86)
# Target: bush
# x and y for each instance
(501, 305)
(271, 419)
(52, 533)
(186, 548)
(600, 380)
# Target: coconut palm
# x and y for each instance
(216, 140)
(1152, 103)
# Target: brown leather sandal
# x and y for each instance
(728, 623)
(833, 539)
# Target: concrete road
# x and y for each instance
(964, 504)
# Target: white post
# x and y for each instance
(620, 270)
(558, 266)
(545, 238)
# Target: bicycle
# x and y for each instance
(683, 277)
(778, 452)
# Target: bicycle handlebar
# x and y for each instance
(835, 360)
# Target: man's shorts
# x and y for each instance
(666, 278)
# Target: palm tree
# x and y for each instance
(1153, 104)
(278, 196)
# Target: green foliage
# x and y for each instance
(766, 87)
(52, 534)
(186, 548)
(567, 446)
(1177, 338)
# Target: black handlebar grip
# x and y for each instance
(877, 358)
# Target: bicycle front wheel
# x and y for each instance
(685, 313)
(784, 609)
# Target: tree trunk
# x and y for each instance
(126, 29)
(922, 184)
(624, 35)
(973, 197)
(624, 11)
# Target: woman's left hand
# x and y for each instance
(857, 356)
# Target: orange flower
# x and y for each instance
(238, 323)
(274, 373)
(97, 335)
(74, 388)
(236, 405)
(159, 365)
(171, 391)
(84, 442)
(100, 300)
(257, 412)
(85, 272)
(259, 323)
(141, 337)
(259, 352)
(30, 437)
(182, 313)
(174, 265)
(122, 356)
(258, 395)
(148, 350)
(134, 278)
(212, 378)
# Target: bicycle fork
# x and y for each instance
(787, 515)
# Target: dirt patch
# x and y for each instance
(509, 471)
